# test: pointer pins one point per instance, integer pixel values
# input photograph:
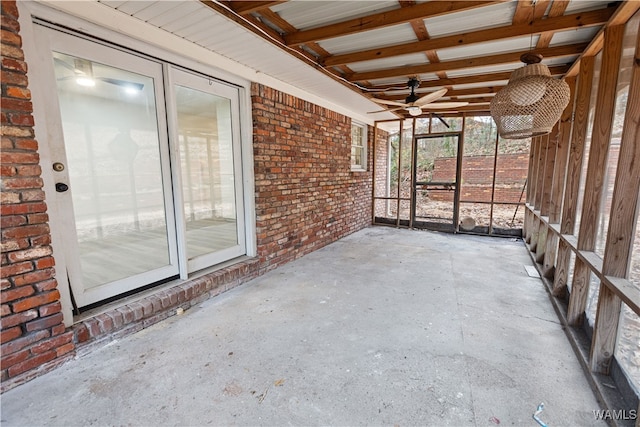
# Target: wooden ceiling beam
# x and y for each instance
(573, 21)
(527, 11)
(285, 26)
(246, 23)
(277, 20)
(626, 10)
(552, 52)
(481, 78)
(558, 7)
(383, 19)
(451, 93)
(248, 7)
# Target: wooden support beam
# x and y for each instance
(598, 154)
(382, 19)
(564, 23)
(550, 253)
(542, 156)
(562, 155)
(535, 235)
(420, 30)
(532, 171)
(600, 137)
(622, 220)
(451, 94)
(459, 64)
(549, 165)
(578, 139)
(558, 8)
(528, 224)
(533, 179)
(561, 273)
(246, 7)
(541, 247)
(623, 13)
(555, 260)
(557, 70)
(523, 12)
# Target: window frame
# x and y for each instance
(355, 167)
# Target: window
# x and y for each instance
(358, 147)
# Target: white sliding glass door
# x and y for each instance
(147, 164)
(206, 126)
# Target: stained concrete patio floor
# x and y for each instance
(384, 327)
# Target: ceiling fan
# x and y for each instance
(414, 104)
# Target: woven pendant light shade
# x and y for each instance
(531, 103)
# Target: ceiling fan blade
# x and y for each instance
(442, 105)
(384, 111)
(430, 97)
(389, 102)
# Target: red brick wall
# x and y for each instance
(32, 329)
(477, 176)
(306, 198)
(306, 194)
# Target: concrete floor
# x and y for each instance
(384, 327)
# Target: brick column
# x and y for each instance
(32, 330)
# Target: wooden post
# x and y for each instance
(541, 247)
(374, 146)
(557, 183)
(549, 166)
(574, 168)
(531, 183)
(598, 153)
(562, 154)
(542, 155)
(535, 233)
(543, 187)
(622, 220)
(561, 272)
(546, 250)
(533, 148)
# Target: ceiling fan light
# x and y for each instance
(414, 111)
(85, 81)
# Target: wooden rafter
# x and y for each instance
(558, 7)
(452, 93)
(622, 14)
(559, 51)
(247, 7)
(287, 28)
(384, 19)
(573, 21)
(480, 78)
(420, 29)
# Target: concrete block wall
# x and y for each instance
(306, 198)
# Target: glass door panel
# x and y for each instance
(112, 177)
(209, 169)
